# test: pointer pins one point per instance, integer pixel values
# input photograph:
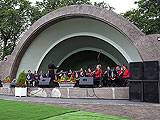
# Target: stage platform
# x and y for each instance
(94, 93)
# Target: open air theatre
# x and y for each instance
(77, 36)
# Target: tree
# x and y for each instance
(103, 5)
(47, 6)
(14, 20)
(146, 16)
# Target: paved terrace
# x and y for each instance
(133, 110)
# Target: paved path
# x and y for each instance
(76, 101)
(133, 110)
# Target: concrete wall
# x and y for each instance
(100, 93)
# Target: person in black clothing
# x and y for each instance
(82, 73)
(0, 83)
(36, 78)
(29, 78)
(106, 77)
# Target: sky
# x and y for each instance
(120, 6)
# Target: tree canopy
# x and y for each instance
(146, 17)
(15, 18)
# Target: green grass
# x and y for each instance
(81, 115)
(12, 110)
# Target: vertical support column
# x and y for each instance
(113, 93)
(68, 93)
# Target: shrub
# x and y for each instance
(21, 81)
(7, 79)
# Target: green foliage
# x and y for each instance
(146, 16)
(47, 6)
(103, 5)
(21, 80)
(15, 18)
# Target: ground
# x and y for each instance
(120, 108)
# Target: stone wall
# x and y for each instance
(96, 93)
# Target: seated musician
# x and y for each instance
(125, 75)
(119, 73)
(29, 78)
(98, 75)
(106, 77)
(82, 73)
(36, 77)
(41, 75)
(70, 73)
(61, 75)
(48, 74)
(89, 73)
(113, 74)
(77, 74)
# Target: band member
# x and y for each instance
(98, 72)
(60, 74)
(125, 75)
(48, 74)
(98, 76)
(113, 74)
(106, 76)
(77, 74)
(29, 77)
(119, 72)
(36, 78)
(89, 73)
(0, 83)
(81, 74)
(108, 72)
(70, 73)
(52, 71)
(41, 75)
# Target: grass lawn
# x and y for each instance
(81, 115)
(12, 110)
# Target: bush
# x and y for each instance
(21, 82)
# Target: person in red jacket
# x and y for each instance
(125, 75)
(89, 73)
(98, 76)
(98, 72)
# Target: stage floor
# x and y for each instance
(75, 92)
